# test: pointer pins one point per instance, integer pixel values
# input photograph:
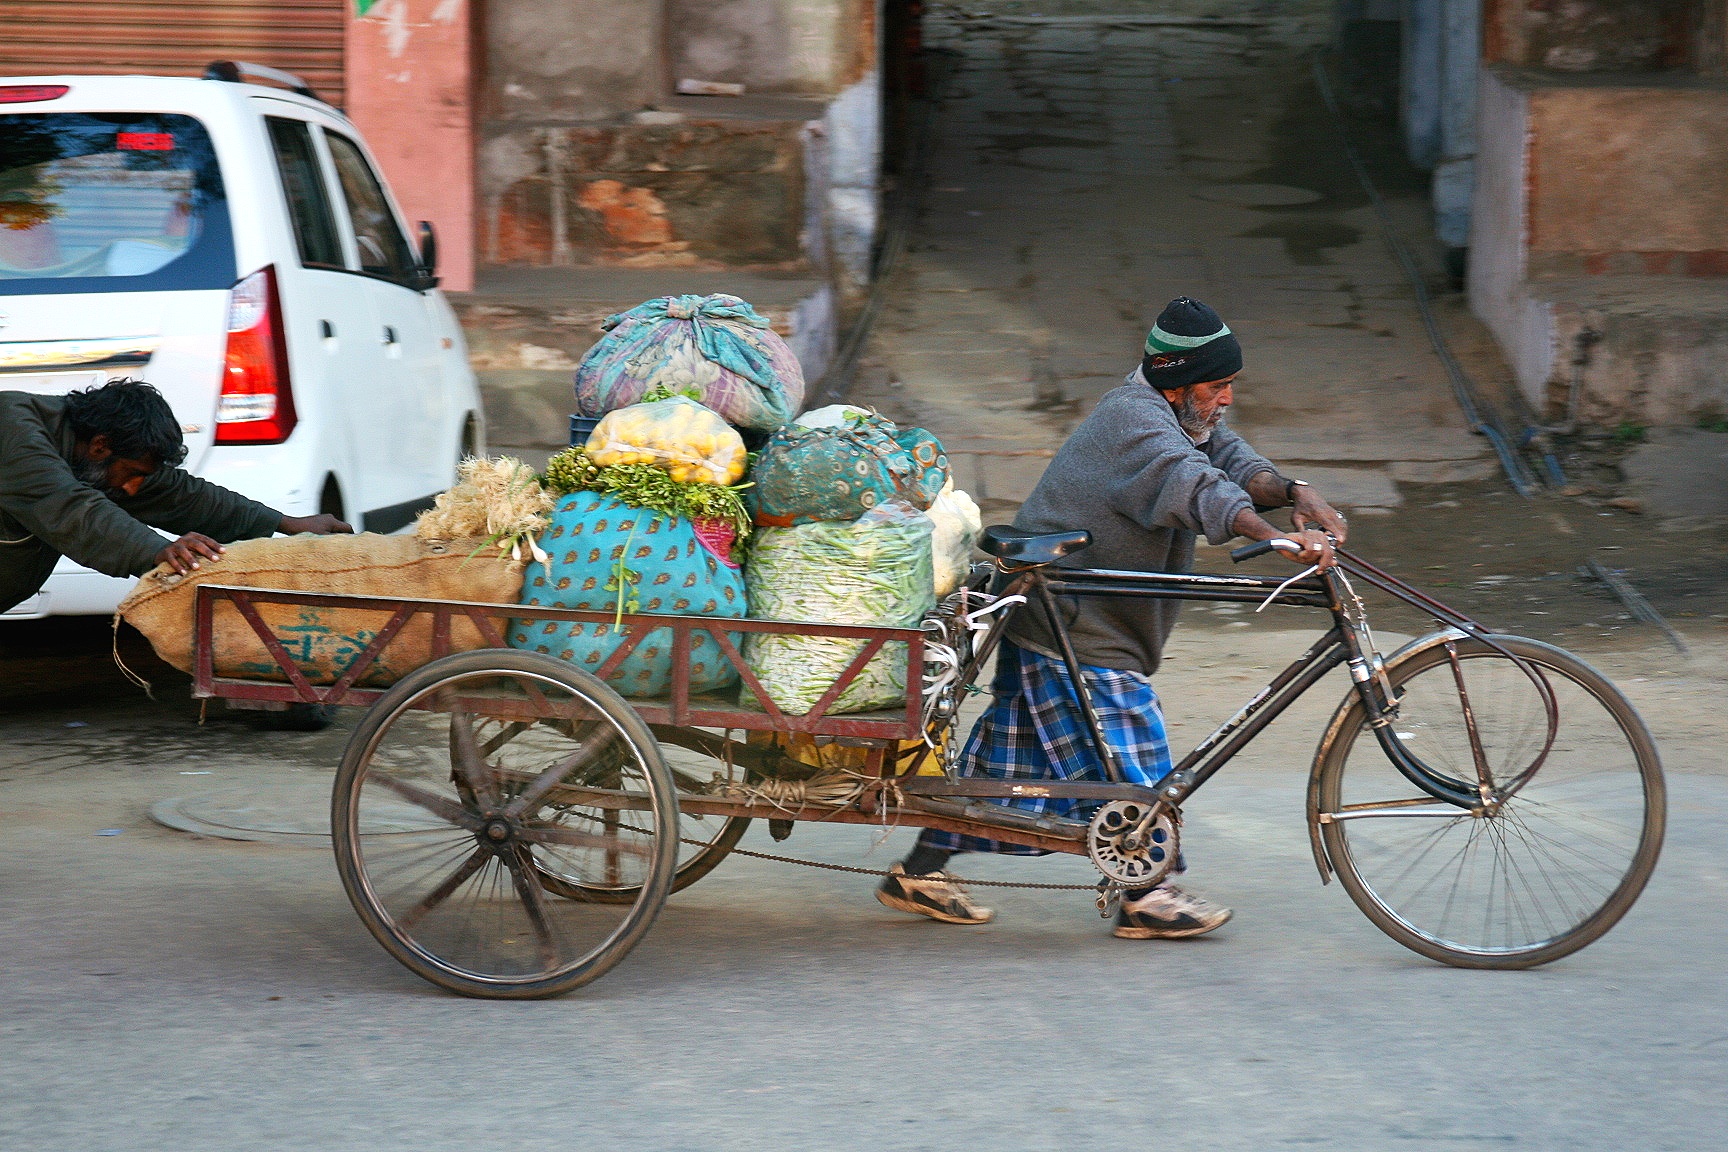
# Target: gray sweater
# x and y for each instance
(1130, 476)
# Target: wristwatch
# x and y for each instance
(1290, 487)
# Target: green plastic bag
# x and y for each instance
(873, 570)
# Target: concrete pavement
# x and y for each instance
(165, 992)
(1085, 171)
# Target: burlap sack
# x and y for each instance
(323, 642)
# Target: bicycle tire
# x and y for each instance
(1509, 833)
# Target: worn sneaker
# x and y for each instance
(1167, 913)
(935, 894)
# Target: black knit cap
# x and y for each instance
(1189, 344)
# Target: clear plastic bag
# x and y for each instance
(873, 570)
(957, 525)
(690, 442)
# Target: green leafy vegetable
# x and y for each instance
(648, 486)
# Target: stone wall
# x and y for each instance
(588, 156)
(1628, 179)
(674, 191)
(781, 47)
(1599, 242)
(1605, 35)
(566, 61)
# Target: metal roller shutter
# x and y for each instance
(174, 38)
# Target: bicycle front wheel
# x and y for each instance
(1549, 871)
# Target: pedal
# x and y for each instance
(1109, 898)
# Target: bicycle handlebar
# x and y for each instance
(1261, 547)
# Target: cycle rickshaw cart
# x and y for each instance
(509, 827)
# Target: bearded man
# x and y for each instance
(89, 474)
(1150, 469)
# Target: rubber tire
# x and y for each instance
(374, 725)
(1331, 766)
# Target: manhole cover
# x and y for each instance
(281, 812)
(1258, 195)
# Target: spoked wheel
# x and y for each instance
(1535, 878)
(703, 840)
(451, 808)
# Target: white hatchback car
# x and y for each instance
(233, 245)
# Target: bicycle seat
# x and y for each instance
(1030, 548)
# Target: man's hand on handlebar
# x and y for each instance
(1310, 511)
(1316, 548)
(1305, 546)
(1308, 547)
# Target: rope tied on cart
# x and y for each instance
(828, 789)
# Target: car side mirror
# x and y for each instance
(428, 256)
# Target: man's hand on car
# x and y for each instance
(320, 525)
(183, 555)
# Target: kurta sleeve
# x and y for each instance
(178, 502)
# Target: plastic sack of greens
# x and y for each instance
(957, 524)
(872, 570)
(840, 471)
(715, 347)
(605, 556)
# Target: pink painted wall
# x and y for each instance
(410, 67)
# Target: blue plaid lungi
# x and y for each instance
(1036, 731)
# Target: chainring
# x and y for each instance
(1132, 842)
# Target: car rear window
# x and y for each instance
(111, 202)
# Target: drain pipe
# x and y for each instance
(1516, 472)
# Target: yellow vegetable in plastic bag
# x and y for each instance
(692, 443)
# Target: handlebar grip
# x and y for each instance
(1261, 547)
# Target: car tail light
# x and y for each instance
(31, 93)
(256, 405)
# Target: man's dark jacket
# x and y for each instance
(47, 512)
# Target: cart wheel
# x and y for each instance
(703, 840)
(697, 858)
(459, 792)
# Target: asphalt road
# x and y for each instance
(165, 991)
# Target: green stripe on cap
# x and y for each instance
(1159, 340)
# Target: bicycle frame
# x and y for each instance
(1346, 643)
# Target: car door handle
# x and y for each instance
(389, 334)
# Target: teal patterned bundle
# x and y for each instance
(605, 555)
(806, 475)
(716, 348)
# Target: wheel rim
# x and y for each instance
(457, 806)
(1550, 863)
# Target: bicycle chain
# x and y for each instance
(880, 872)
(877, 871)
